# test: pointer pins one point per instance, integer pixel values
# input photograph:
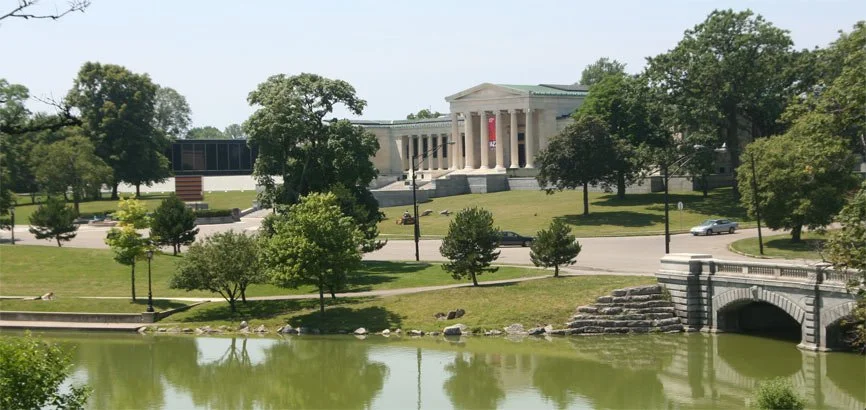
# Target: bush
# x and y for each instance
(778, 394)
(212, 213)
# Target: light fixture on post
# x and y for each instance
(149, 254)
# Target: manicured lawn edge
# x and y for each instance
(748, 247)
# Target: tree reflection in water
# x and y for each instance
(473, 383)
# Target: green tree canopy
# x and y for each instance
(729, 76)
(601, 68)
(424, 114)
(54, 220)
(173, 223)
(554, 247)
(124, 240)
(171, 113)
(314, 244)
(71, 163)
(470, 244)
(117, 111)
(206, 133)
(224, 263)
(234, 132)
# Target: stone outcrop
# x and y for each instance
(640, 309)
(455, 330)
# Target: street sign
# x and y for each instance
(680, 205)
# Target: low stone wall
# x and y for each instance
(482, 184)
(388, 198)
(215, 220)
(73, 317)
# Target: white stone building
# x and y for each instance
(492, 128)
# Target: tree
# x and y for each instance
(801, 180)
(173, 224)
(633, 120)
(234, 132)
(54, 220)
(205, 133)
(724, 76)
(117, 111)
(22, 12)
(33, 373)
(70, 164)
(171, 113)
(360, 204)
(424, 114)
(554, 246)
(314, 244)
(124, 240)
(470, 244)
(224, 263)
(846, 249)
(578, 157)
(601, 68)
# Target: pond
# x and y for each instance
(313, 372)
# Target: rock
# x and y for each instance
(223, 328)
(198, 331)
(610, 311)
(619, 292)
(548, 328)
(668, 321)
(535, 331)
(559, 332)
(604, 299)
(493, 332)
(261, 329)
(672, 328)
(186, 330)
(161, 329)
(451, 315)
(587, 309)
(243, 325)
(142, 329)
(47, 296)
(440, 315)
(645, 290)
(173, 330)
(288, 330)
(206, 329)
(360, 337)
(616, 330)
(459, 313)
(454, 330)
(415, 332)
(434, 334)
(245, 330)
(360, 331)
(515, 329)
(386, 332)
(398, 331)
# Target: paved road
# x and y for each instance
(633, 254)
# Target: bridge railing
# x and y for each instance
(815, 273)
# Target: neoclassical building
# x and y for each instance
(492, 128)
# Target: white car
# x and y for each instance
(711, 226)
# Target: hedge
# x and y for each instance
(212, 213)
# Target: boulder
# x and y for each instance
(434, 334)
(459, 313)
(451, 315)
(142, 329)
(515, 329)
(398, 331)
(47, 296)
(604, 299)
(360, 331)
(645, 290)
(548, 328)
(440, 316)
(386, 332)
(261, 329)
(223, 328)
(535, 331)
(173, 330)
(587, 309)
(493, 332)
(186, 330)
(415, 332)
(243, 325)
(161, 329)
(454, 330)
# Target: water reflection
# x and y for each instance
(663, 371)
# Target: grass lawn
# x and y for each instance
(551, 300)
(88, 305)
(526, 212)
(215, 200)
(780, 246)
(68, 272)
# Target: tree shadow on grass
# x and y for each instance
(161, 305)
(259, 309)
(616, 218)
(377, 272)
(373, 318)
(805, 245)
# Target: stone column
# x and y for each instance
(484, 149)
(426, 149)
(512, 142)
(470, 142)
(440, 140)
(455, 137)
(404, 153)
(500, 147)
(529, 139)
(411, 139)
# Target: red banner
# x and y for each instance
(491, 130)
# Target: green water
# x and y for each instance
(627, 372)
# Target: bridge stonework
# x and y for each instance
(706, 290)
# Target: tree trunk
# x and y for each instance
(620, 185)
(33, 198)
(333, 295)
(76, 199)
(705, 185)
(59, 245)
(474, 279)
(585, 198)
(133, 281)
(138, 190)
(796, 233)
(555, 271)
(174, 249)
(322, 300)
(232, 304)
(244, 293)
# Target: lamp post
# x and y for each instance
(665, 168)
(757, 203)
(422, 156)
(149, 255)
(12, 215)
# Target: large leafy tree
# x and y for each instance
(173, 223)
(578, 157)
(314, 244)
(801, 181)
(470, 244)
(633, 119)
(424, 114)
(117, 111)
(298, 141)
(70, 164)
(124, 240)
(601, 68)
(207, 132)
(171, 113)
(554, 247)
(54, 220)
(234, 132)
(729, 76)
(33, 374)
(224, 263)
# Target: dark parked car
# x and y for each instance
(510, 238)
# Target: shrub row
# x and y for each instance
(212, 213)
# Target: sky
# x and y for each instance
(401, 56)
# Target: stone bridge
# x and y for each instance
(738, 296)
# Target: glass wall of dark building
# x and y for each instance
(212, 157)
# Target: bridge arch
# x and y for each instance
(758, 310)
(757, 294)
(831, 320)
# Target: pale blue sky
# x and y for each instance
(399, 55)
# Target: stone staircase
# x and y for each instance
(640, 309)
